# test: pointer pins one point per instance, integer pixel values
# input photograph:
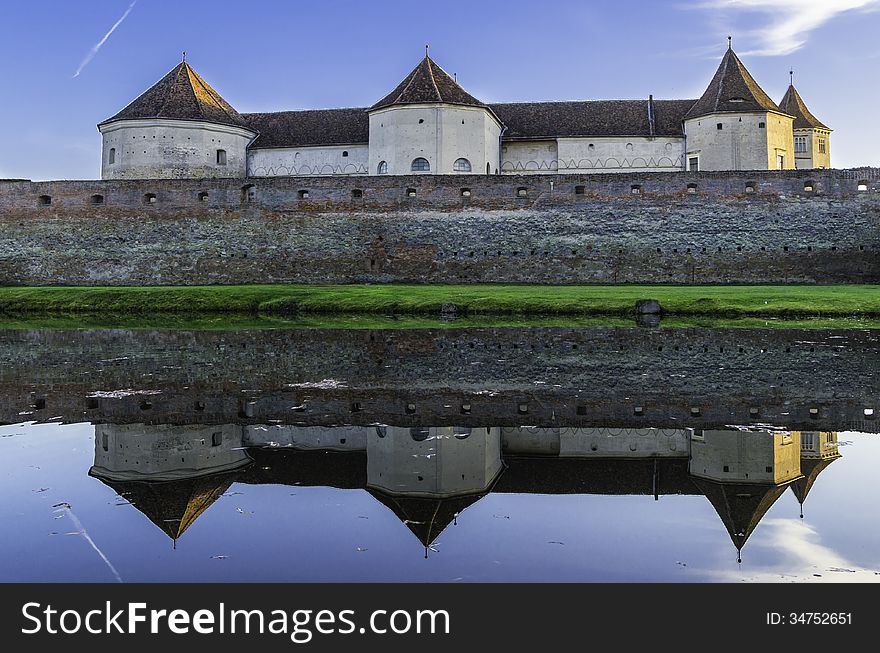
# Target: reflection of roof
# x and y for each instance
(741, 506)
(793, 105)
(426, 517)
(732, 89)
(810, 468)
(181, 95)
(310, 468)
(173, 505)
(552, 475)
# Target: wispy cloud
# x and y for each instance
(91, 53)
(787, 23)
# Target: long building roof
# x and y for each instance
(523, 120)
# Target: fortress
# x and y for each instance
(182, 128)
(195, 193)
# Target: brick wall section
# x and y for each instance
(586, 229)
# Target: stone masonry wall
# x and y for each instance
(794, 226)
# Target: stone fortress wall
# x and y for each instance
(817, 226)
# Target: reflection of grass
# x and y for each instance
(470, 300)
(231, 322)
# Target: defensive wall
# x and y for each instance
(816, 226)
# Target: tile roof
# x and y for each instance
(181, 95)
(310, 127)
(318, 127)
(428, 83)
(793, 105)
(732, 90)
(593, 118)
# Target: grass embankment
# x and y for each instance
(470, 300)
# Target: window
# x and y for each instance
(150, 198)
(800, 144)
(694, 164)
(762, 125)
(410, 192)
(863, 186)
(691, 189)
(461, 165)
(780, 161)
(635, 189)
(382, 169)
(344, 152)
(579, 190)
(216, 438)
(465, 192)
(221, 157)
(97, 199)
(420, 165)
(248, 193)
(419, 434)
(720, 125)
(303, 194)
(808, 186)
(522, 191)
(45, 200)
(750, 187)
(111, 159)
(357, 194)
(203, 196)
(822, 147)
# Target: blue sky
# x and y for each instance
(266, 55)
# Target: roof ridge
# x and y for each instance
(434, 81)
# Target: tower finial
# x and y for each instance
(791, 77)
(184, 56)
(730, 43)
(426, 52)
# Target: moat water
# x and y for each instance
(595, 454)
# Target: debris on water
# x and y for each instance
(63, 504)
(362, 517)
(219, 557)
(42, 489)
(124, 503)
(681, 564)
(53, 533)
(119, 394)
(232, 494)
(501, 516)
(434, 548)
(556, 542)
(324, 384)
(360, 548)
(244, 512)
(818, 575)
(842, 569)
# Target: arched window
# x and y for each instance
(383, 168)
(420, 165)
(461, 165)
(221, 157)
(111, 159)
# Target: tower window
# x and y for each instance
(344, 152)
(762, 125)
(221, 157)
(800, 144)
(821, 146)
(461, 165)
(111, 158)
(720, 125)
(694, 164)
(382, 169)
(420, 165)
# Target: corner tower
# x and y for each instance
(179, 128)
(812, 143)
(431, 125)
(736, 126)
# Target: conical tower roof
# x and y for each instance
(181, 95)
(428, 83)
(732, 90)
(793, 105)
(426, 517)
(810, 468)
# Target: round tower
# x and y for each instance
(431, 125)
(179, 128)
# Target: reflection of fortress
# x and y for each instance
(428, 475)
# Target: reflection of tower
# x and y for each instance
(582, 442)
(818, 450)
(328, 438)
(428, 475)
(172, 474)
(743, 473)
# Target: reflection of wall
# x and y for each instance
(818, 444)
(598, 442)
(337, 438)
(433, 461)
(165, 451)
(745, 456)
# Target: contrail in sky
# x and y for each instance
(91, 54)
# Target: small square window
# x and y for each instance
(762, 125)
(720, 125)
